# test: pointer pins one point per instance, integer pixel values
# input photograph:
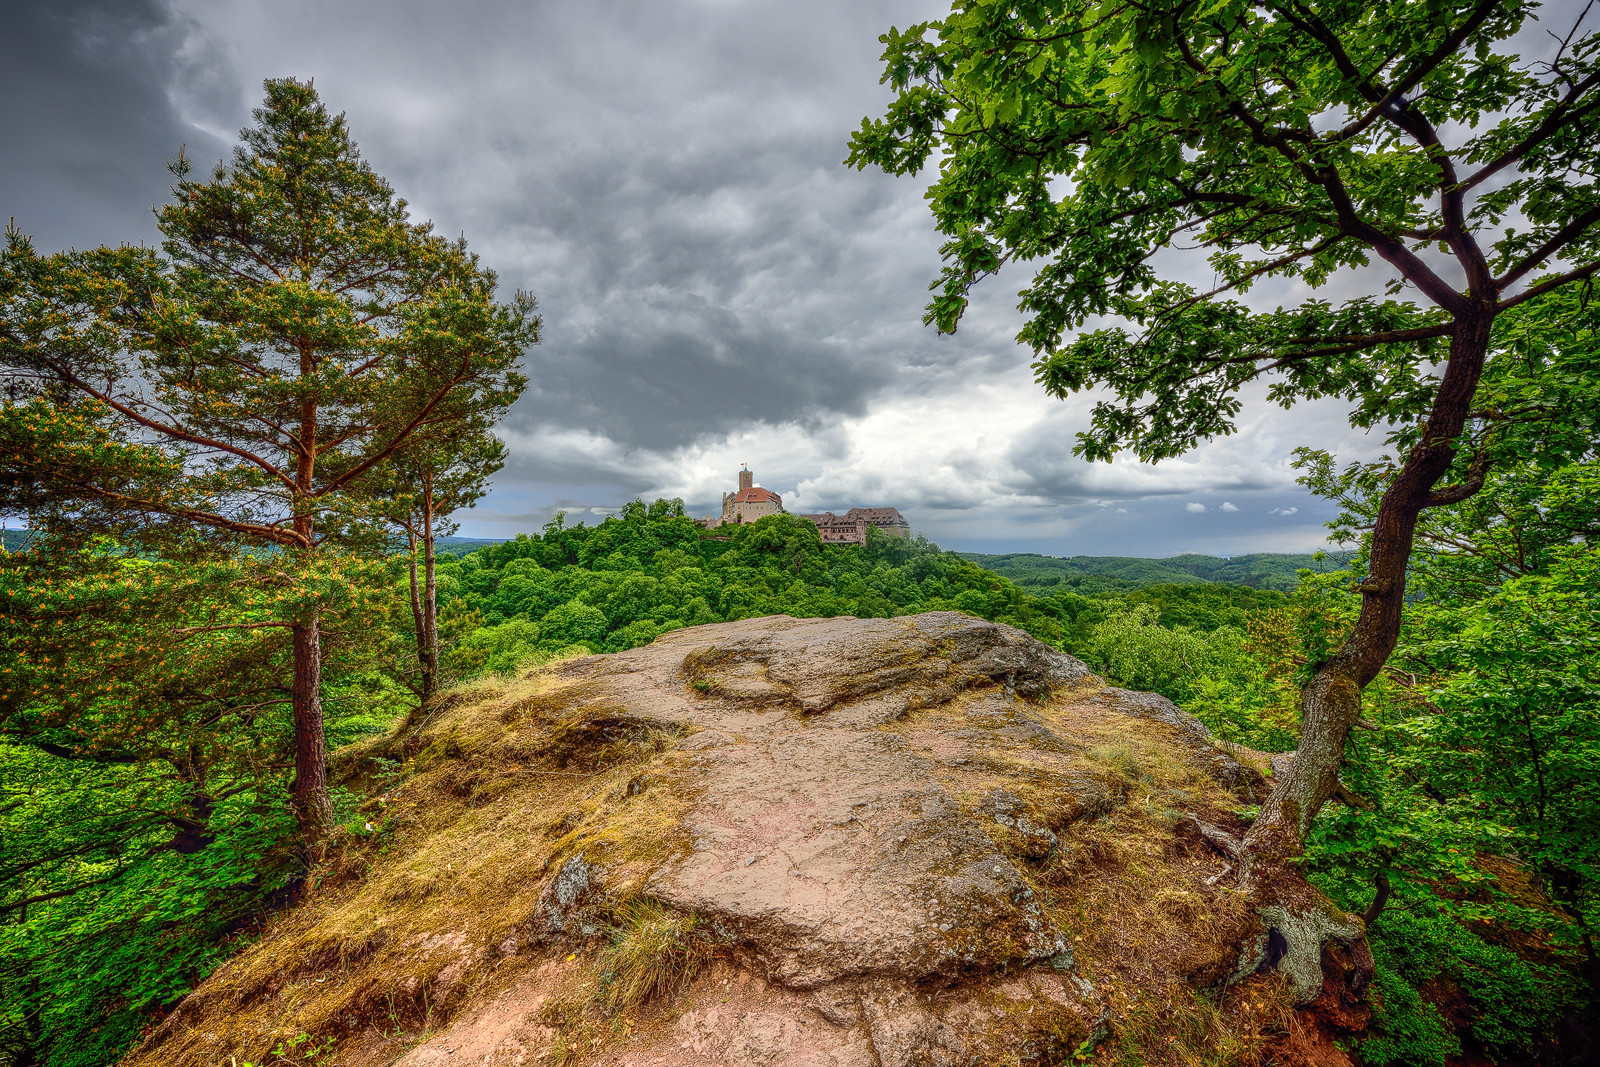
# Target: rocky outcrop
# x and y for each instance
(915, 841)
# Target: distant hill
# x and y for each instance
(1041, 574)
(460, 546)
(13, 540)
(1119, 574)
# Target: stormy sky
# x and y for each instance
(717, 288)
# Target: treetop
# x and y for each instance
(1116, 143)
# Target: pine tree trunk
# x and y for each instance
(311, 803)
(418, 617)
(430, 606)
(1331, 701)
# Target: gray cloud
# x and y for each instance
(665, 176)
(665, 372)
(88, 121)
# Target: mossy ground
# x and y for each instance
(1149, 928)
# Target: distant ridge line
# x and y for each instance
(1039, 573)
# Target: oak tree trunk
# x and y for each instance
(1331, 701)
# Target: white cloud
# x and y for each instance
(1284, 511)
(1194, 508)
(1228, 506)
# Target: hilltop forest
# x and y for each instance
(136, 890)
(1118, 574)
(237, 454)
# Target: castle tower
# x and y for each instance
(750, 502)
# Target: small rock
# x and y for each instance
(560, 897)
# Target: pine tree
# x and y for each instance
(299, 330)
(429, 480)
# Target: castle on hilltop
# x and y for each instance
(751, 502)
(851, 527)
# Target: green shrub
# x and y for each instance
(1408, 1029)
(1513, 1002)
(503, 648)
(575, 623)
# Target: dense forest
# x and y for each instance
(237, 456)
(623, 582)
(1115, 574)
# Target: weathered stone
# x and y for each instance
(830, 851)
(560, 900)
(1007, 810)
(1185, 730)
(866, 815)
(904, 1033)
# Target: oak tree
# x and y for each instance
(1397, 150)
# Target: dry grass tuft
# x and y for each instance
(1183, 1027)
(651, 953)
(499, 788)
(654, 951)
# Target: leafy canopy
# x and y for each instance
(1535, 443)
(145, 737)
(1115, 143)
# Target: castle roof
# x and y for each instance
(756, 495)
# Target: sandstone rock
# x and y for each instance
(1008, 811)
(1188, 732)
(560, 900)
(864, 816)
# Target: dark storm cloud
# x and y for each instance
(87, 120)
(665, 177)
(666, 376)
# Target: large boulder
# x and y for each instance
(923, 840)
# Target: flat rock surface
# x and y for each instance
(821, 836)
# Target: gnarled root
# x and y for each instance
(1291, 941)
(1296, 922)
